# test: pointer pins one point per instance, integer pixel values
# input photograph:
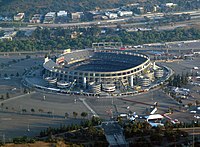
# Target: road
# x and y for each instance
(92, 111)
(106, 23)
(14, 98)
(191, 131)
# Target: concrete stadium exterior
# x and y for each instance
(101, 66)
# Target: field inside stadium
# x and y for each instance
(102, 61)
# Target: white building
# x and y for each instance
(8, 36)
(19, 16)
(76, 15)
(170, 5)
(125, 13)
(50, 17)
(62, 13)
(111, 15)
(50, 14)
(36, 18)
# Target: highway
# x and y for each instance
(111, 23)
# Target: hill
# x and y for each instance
(10, 7)
(41, 144)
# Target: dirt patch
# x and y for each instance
(38, 144)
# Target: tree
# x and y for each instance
(50, 113)
(156, 138)
(25, 90)
(7, 95)
(2, 104)
(17, 74)
(66, 115)
(84, 114)
(75, 114)
(5, 75)
(32, 110)
(24, 110)
(197, 102)
(2, 97)
(189, 105)
(41, 110)
(141, 142)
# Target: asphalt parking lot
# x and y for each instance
(14, 122)
(48, 112)
(11, 71)
(183, 66)
(55, 106)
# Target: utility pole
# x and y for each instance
(4, 138)
(193, 136)
(28, 128)
(44, 97)
(53, 113)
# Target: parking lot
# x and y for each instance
(49, 109)
(11, 71)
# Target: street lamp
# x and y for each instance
(196, 117)
(44, 97)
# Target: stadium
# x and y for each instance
(95, 70)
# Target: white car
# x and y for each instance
(193, 112)
(7, 78)
(197, 117)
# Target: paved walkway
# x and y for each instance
(84, 102)
(17, 97)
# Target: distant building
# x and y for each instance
(144, 81)
(170, 5)
(159, 73)
(36, 18)
(133, 4)
(155, 8)
(5, 38)
(140, 10)
(76, 16)
(8, 36)
(11, 34)
(75, 34)
(62, 13)
(19, 17)
(50, 17)
(111, 15)
(104, 17)
(125, 13)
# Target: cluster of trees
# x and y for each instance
(138, 134)
(30, 7)
(10, 7)
(75, 114)
(178, 80)
(59, 39)
(22, 140)
(141, 133)
(7, 96)
(145, 135)
(84, 124)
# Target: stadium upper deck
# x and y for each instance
(102, 66)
